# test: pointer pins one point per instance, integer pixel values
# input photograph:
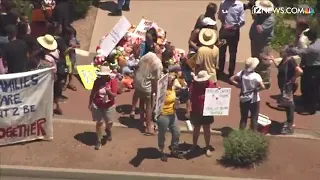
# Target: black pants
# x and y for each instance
(254, 109)
(232, 40)
(311, 86)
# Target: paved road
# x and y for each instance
(27, 178)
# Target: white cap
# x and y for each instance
(208, 22)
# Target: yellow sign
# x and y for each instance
(88, 74)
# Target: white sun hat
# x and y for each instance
(48, 42)
(208, 22)
(265, 5)
(251, 63)
(202, 76)
(104, 71)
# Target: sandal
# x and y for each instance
(164, 157)
(72, 87)
(177, 154)
(132, 114)
(57, 111)
(149, 134)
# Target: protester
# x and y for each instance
(207, 55)
(197, 96)
(302, 41)
(288, 73)
(210, 13)
(311, 71)
(102, 104)
(123, 5)
(231, 15)
(6, 18)
(168, 120)
(15, 52)
(25, 19)
(145, 83)
(62, 14)
(250, 83)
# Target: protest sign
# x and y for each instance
(143, 26)
(161, 94)
(26, 101)
(116, 34)
(88, 74)
(217, 102)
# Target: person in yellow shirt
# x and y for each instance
(168, 119)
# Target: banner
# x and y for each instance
(26, 102)
(88, 74)
(116, 34)
(217, 102)
(161, 94)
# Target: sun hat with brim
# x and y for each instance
(104, 71)
(265, 5)
(207, 36)
(251, 63)
(48, 42)
(202, 76)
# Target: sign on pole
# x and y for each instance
(161, 94)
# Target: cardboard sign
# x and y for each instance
(112, 39)
(161, 94)
(142, 28)
(217, 102)
(88, 74)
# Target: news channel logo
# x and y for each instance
(283, 10)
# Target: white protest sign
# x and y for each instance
(217, 102)
(161, 94)
(26, 101)
(142, 28)
(116, 34)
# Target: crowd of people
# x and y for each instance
(51, 45)
(204, 65)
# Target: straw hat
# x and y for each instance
(202, 76)
(48, 42)
(104, 71)
(265, 5)
(251, 63)
(207, 36)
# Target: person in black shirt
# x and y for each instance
(62, 14)
(15, 53)
(6, 18)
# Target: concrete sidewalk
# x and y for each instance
(26, 172)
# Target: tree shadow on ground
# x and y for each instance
(131, 123)
(145, 153)
(106, 6)
(299, 106)
(126, 109)
(87, 138)
(275, 128)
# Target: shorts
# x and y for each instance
(103, 114)
(198, 119)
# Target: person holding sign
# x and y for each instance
(250, 83)
(102, 103)
(197, 94)
(168, 119)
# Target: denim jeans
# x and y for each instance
(164, 122)
(123, 2)
(254, 109)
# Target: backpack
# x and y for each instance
(62, 68)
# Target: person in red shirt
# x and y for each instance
(197, 94)
(102, 103)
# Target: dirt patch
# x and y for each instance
(72, 147)
(85, 27)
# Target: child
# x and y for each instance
(72, 42)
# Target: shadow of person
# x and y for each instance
(275, 128)
(87, 138)
(225, 131)
(131, 123)
(145, 153)
(106, 6)
(126, 109)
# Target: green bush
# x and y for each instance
(244, 148)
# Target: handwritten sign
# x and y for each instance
(161, 94)
(217, 102)
(26, 101)
(112, 39)
(88, 74)
(142, 28)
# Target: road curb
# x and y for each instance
(85, 174)
(183, 129)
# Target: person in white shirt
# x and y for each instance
(250, 84)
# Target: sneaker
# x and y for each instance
(98, 145)
(208, 152)
(117, 12)
(164, 157)
(108, 135)
(125, 8)
(287, 131)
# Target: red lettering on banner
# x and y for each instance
(24, 130)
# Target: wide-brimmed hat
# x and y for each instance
(202, 76)
(207, 36)
(251, 63)
(48, 42)
(208, 22)
(104, 71)
(265, 5)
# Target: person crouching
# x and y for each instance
(102, 104)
